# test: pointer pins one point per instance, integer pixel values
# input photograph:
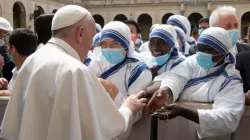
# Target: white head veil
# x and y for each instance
(119, 32)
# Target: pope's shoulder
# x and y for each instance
(53, 59)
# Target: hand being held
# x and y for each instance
(109, 87)
(158, 100)
(135, 102)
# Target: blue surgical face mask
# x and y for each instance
(205, 60)
(113, 56)
(200, 31)
(234, 35)
(137, 41)
(160, 60)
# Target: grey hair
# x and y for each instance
(215, 16)
(67, 31)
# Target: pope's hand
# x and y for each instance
(109, 87)
(158, 100)
(135, 102)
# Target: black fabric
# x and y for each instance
(7, 70)
(242, 47)
(243, 65)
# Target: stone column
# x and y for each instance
(182, 9)
(208, 9)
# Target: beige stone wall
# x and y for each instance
(132, 9)
(6, 9)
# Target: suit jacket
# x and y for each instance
(241, 47)
(243, 65)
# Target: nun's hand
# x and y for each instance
(3, 84)
(173, 110)
(158, 100)
(109, 87)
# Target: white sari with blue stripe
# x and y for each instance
(220, 86)
(130, 77)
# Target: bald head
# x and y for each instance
(74, 25)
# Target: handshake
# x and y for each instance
(138, 101)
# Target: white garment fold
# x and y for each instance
(56, 97)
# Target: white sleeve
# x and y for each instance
(224, 117)
(119, 99)
(128, 116)
(177, 78)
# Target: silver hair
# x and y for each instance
(215, 16)
(67, 31)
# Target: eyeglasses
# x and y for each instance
(7, 38)
(112, 44)
(203, 48)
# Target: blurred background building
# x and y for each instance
(21, 13)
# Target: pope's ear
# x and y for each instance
(80, 33)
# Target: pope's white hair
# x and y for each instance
(215, 16)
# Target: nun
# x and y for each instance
(117, 62)
(183, 23)
(163, 51)
(209, 76)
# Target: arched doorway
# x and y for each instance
(54, 11)
(165, 18)
(145, 23)
(194, 20)
(99, 19)
(40, 11)
(19, 15)
(245, 23)
(120, 17)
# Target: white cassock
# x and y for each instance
(39, 46)
(56, 97)
(222, 88)
(11, 84)
(130, 77)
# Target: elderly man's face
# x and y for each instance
(228, 21)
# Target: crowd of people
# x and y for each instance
(73, 80)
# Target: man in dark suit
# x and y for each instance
(243, 65)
